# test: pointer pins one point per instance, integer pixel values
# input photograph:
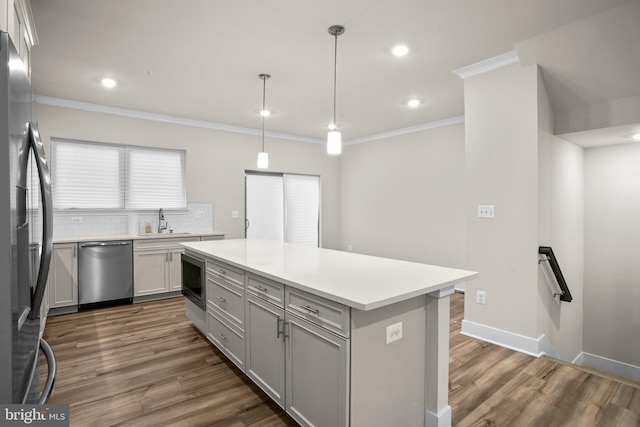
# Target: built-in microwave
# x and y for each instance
(193, 280)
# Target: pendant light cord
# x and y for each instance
(264, 95)
(335, 78)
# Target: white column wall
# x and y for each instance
(501, 143)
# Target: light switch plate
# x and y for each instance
(235, 214)
(394, 332)
(486, 211)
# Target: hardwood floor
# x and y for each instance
(146, 365)
(494, 386)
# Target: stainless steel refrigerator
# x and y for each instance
(25, 236)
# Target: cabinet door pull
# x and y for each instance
(261, 289)
(311, 310)
(221, 271)
(221, 299)
(222, 337)
(171, 256)
(279, 331)
(286, 327)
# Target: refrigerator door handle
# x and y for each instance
(47, 218)
(52, 371)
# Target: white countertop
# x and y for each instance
(105, 238)
(359, 281)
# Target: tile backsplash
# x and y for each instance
(198, 217)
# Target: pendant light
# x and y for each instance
(334, 138)
(263, 156)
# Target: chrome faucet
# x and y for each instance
(162, 222)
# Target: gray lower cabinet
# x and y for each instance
(317, 373)
(227, 337)
(63, 275)
(225, 310)
(299, 355)
(265, 348)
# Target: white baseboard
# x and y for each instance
(534, 347)
(610, 365)
(441, 419)
(542, 346)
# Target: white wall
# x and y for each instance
(561, 226)
(501, 132)
(612, 253)
(403, 197)
(216, 160)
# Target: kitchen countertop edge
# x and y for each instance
(366, 300)
(103, 238)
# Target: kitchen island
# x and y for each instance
(335, 338)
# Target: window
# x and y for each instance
(155, 179)
(89, 175)
(283, 207)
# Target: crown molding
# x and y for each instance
(404, 131)
(105, 109)
(97, 108)
(489, 64)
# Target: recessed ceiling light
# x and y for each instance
(265, 113)
(400, 50)
(413, 103)
(636, 136)
(107, 82)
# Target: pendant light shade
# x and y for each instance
(263, 160)
(334, 137)
(334, 142)
(263, 156)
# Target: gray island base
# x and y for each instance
(335, 338)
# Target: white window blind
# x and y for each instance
(154, 179)
(302, 207)
(283, 207)
(89, 175)
(265, 207)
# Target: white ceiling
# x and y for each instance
(205, 57)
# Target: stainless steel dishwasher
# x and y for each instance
(105, 273)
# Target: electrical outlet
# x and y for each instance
(198, 214)
(394, 332)
(481, 297)
(486, 211)
(76, 220)
(235, 214)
